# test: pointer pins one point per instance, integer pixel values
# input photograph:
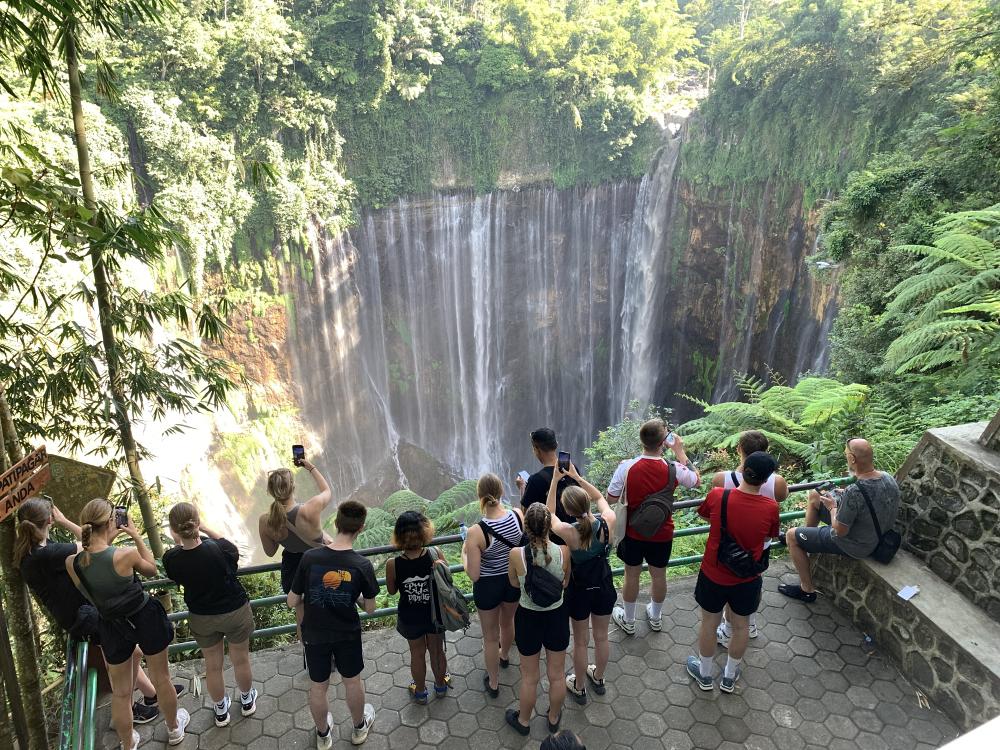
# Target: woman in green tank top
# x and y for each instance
(539, 625)
(129, 618)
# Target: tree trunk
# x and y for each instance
(16, 605)
(102, 293)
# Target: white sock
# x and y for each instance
(222, 703)
(731, 666)
(707, 666)
(655, 609)
(629, 611)
(245, 696)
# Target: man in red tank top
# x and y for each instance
(639, 477)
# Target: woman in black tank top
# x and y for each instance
(411, 574)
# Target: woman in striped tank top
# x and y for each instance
(485, 556)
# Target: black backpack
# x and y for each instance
(656, 508)
(594, 572)
(734, 557)
(543, 588)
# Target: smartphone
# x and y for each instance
(826, 486)
(121, 517)
(564, 460)
(298, 455)
(524, 475)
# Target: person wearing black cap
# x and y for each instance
(750, 519)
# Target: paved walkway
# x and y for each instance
(807, 683)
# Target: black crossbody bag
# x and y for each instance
(888, 543)
(734, 557)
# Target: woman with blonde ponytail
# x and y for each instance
(486, 555)
(591, 595)
(131, 623)
(540, 623)
(218, 606)
(295, 527)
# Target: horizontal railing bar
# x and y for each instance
(791, 488)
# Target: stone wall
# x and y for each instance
(950, 487)
(945, 645)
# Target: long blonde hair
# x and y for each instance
(490, 490)
(538, 524)
(576, 501)
(280, 486)
(184, 520)
(96, 515)
(32, 516)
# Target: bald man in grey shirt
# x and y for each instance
(850, 530)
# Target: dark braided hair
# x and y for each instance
(538, 524)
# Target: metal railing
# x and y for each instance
(79, 700)
(280, 599)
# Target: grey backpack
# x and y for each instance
(656, 508)
(450, 610)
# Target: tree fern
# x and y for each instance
(951, 306)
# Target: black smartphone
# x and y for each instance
(564, 460)
(825, 487)
(298, 455)
(121, 517)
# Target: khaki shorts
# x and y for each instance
(237, 626)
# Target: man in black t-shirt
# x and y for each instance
(331, 582)
(536, 489)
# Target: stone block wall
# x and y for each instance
(950, 509)
(917, 636)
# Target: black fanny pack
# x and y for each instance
(737, 559)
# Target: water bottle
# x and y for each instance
(671, 439)
(463, 531)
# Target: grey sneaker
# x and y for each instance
(694, 669)
(579, 694)
(728, 684)
(248, 705)
(222, 717)
(618, 618)
(655, 624)
(135, 741)
(325, 743)
(176, 736)
(360, 734)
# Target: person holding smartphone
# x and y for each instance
(295, 527)
(536, 488)
(129, 617)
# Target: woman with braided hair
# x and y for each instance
(43, 566)
(129, 617)
(539, 622)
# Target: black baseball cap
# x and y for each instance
(758, 467)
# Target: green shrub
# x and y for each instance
(399, 502)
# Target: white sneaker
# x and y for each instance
(618, 618)
(135, 740)
(359, 735)
(655, 623)
(325, 743)
(753, 626)
(248, 707)
(176, 736)
(723, 634)
(222, 717)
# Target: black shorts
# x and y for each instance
(289, 566)
(411, 631)
(742, 598)
(489, 592)
(535, 630)
(149, 629)
(344, 655)
(582, 602)
(818, 539)
(636, 551)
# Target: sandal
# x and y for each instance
(504, 663)
(493, 692)
(419, 696)
(794, 591)
(442, 690)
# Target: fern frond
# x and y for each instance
(967, 292)
(923, 286)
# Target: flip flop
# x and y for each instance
(794, 591)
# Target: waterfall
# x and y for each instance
(458, 322)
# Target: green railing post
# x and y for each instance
(82, 651)
(89, 710)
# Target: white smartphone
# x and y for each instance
(524, 475)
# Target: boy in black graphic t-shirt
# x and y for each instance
(331, 582)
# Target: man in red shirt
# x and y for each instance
(639, 477)
(751, 519)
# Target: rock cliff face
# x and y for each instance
(458, 322)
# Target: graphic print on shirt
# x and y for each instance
(417, 589)
(327, 587)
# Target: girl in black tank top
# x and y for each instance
(411, 574)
